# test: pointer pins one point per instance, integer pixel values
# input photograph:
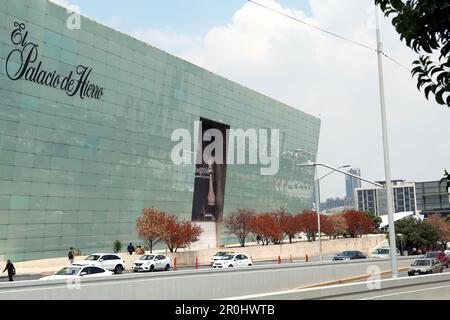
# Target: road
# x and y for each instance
(434, 291)
(259, 263)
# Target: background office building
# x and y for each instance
(86, 121)
(375, 199)
(351, 184)
(432, 197)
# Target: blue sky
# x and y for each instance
(191, 17)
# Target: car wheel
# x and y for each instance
(441, 270)
(167, 267)
(135, 271)
(249, 264)
(152, 268)
(118, 269)
(230, 266)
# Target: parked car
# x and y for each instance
(219, 255)
(438, 255)
(233, 260)
(349, 255)
(447, 252)
(383, 253)
(425, 266)
(109, 261)
(152, 262)
(78, 271)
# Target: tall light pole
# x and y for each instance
(387, 167)
(317, 198)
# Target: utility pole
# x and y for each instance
(318, 214)
(387, 167)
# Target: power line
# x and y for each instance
(313, 26)
(396, 62)
(327, 32)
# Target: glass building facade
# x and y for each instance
(78, 164)
(375, 199)
(433, 197)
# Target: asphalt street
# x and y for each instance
(4, 278)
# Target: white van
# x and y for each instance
(383, 253)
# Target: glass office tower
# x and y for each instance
(86, 119)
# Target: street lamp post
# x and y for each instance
(317, 198)
(391, 220)
(387, 166)
(319, 230)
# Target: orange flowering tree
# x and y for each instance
(149, 226)
(338, 225)
(238, 224)
(358, 223)
(265, 225)
(157, 226)
(179, 234)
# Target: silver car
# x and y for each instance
(425, 266)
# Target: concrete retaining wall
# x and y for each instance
(298, 250)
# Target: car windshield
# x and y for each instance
(227, 257)
(93, 257)
(68, 271)
(221, 253)
(431, 255)
(147, 257)
(382, 251)
(347, 253)
(422, 263)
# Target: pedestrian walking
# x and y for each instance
(258, 239)
(71, 255)
(130, 248)
(11, 270)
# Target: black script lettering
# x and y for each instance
(17, 37)
(23, 61)
(20, 63)
(66, 81)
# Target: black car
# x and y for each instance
(350, 255)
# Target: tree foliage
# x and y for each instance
(155, 226)
(149, 226)
(416, 233)
(441, 226)
(238, 224)
(375, 219)
(308, 224)
(179, 234)
(338, 225)
(446, 179)
(267, 227)
(288, 224)
(424, 25)
(358, 223)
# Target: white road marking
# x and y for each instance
(404, 292)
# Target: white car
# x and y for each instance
(152, 262)
(425, 266)
(108, 261)
(233, 260)
(77, 271)
(383, 253)
(219, 255)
